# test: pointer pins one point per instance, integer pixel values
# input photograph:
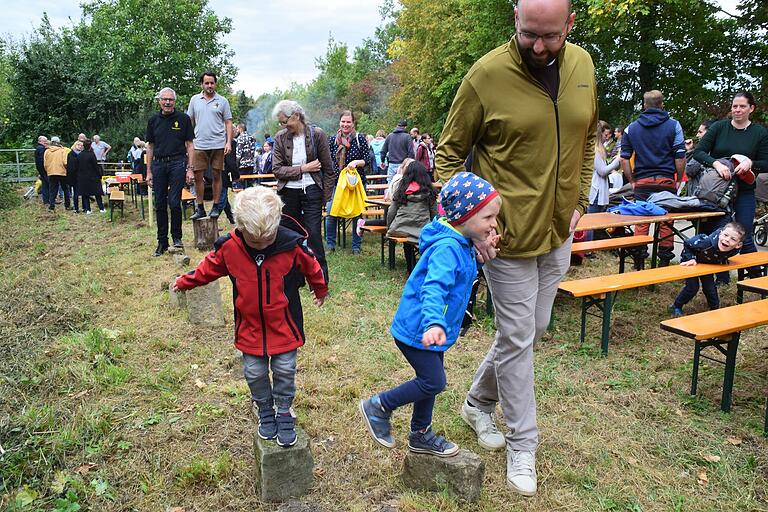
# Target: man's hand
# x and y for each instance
(227, 148)
(176, 286)
(689, 263)
(319, 300)
(148, 179)
(723, 171)
(433, 336)
(574, 221)
(313, 166)
(486, 250)
(190, 176)
(382, 166)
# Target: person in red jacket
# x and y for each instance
(267, 259)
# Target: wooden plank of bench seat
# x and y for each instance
(719, 322)
(600, 292)
(612, 243)
(374, 229)
(758, 285)
(373, 213)
(117, 195)
(720, 329)
(615, 282)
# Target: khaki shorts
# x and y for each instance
(204, 157)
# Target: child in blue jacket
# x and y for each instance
(431, 310)
(715, 248)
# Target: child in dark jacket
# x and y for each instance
(414, 203)
(714, 248)
(431, 310)
(266, 257)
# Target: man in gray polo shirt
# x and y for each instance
(212, 118)
(100, 149)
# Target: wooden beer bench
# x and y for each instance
(758, 285)
(720, 329)
(600, 292)
(621, 243)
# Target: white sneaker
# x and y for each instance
(484, 425)
(103, 210)
(88, 212)
(521, 472)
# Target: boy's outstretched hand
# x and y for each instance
(176, 286)
(689, 263)
(433, 336)
(319, 301)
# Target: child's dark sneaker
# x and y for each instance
(377, 421)
(286, 430)
(676, 311)
(428, 442)
(267, 422)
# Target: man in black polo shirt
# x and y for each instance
(169, 153)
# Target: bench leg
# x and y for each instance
(730, 371)
(695, 373)
(383, 238)
(606, 334)
(391, 255)
(765, 427)
(622, 258)
(584, 308)
(111, 209)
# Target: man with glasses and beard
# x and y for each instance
(528, 112)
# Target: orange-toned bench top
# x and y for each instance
(612, 243)
(720, 322)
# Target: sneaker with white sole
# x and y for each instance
(428, 442)
(359, 227)
(377, 420)
(521, 472)
(484, 425)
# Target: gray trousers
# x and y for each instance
(523, 292)
(282, 389)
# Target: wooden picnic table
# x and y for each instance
(605, 220)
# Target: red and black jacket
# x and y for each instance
(265, 287)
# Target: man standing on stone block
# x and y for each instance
(169, 154)
(212, 118)
(528, 112)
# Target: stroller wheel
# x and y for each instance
(761, 235)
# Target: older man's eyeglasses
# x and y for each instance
(552, 38)
(168, 100)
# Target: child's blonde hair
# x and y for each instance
(257, 211)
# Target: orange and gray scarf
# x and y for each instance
(342, 146)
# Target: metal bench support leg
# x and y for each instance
(584, 308)
(765, 427)
(695, 373)
(383, 238)
(607, 308)
(391, 255)
(730, 370)
(622, 257)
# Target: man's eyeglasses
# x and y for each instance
(531, 37)
(168, 99)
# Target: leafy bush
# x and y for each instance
(9, 195)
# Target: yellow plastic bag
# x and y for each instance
(349, 198)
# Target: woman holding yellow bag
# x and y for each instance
(348, 149)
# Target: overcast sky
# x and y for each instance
(275, 42)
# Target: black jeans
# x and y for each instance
(306, 206)
(53, 192)
(691, 288)
(167, 181)
(87, 202)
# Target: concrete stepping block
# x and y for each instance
(204, 305)
(461, 475)
(283, 473)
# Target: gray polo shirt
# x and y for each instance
(100, 150)
(208, 117)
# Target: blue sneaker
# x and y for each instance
(286, 430)
(377, 421)
(676, 311)
(431, 443)
(267, 422)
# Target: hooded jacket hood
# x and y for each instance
(440, 231)
(652, 117)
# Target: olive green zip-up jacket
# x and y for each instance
(538, 153)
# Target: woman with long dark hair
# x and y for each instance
(738, 136)
(414, 203)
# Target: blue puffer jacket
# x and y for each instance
(438, 290)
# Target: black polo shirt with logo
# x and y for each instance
(168, 134)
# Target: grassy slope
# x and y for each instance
(110, 399)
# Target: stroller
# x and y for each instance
(760, 229)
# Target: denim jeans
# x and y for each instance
(691, 288)
(44, 188)
(87, 202)
(306, 206)
(330, 228)
(421, 391)
(391, 171)
(282, 389)
(167, 181)
(744, 213)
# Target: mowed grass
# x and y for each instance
(111, 400)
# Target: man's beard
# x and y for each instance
(536, 61)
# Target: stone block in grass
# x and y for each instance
(178, 299)
(461, 475)
(283, 473)
(204, 305)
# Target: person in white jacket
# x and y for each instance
(598, 192)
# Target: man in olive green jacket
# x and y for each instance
(527, 111)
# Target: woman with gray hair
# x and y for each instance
(301, 162)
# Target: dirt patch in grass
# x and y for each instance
(111, 400)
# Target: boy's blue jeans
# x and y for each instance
(691, 288)
(282, 389)
(421, 391)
